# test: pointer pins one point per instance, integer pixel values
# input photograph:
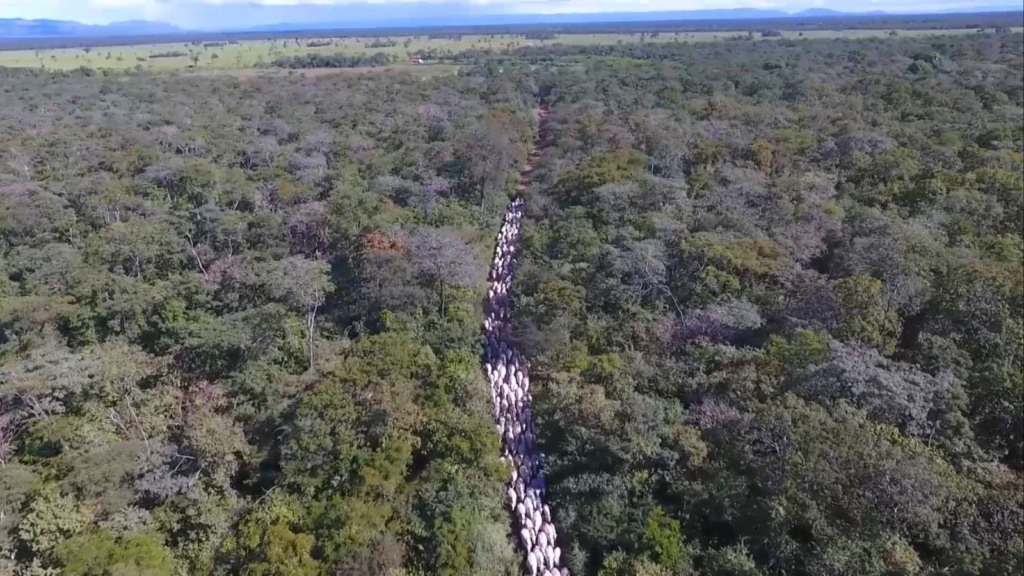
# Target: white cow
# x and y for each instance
(531, 562)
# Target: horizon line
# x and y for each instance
(467, 21)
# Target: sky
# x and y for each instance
(208, 13)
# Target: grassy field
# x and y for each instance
(308, 73)
(260, 53)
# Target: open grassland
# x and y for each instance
(310, 73)
(249, 54)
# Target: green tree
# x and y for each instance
(662, 542)
(265, 543)
(865, 317)
(304, 285)
(101, 553)
(51, 518)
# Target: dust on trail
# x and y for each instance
(508, 373)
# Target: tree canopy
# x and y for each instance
(771, 292)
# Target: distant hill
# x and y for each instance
(812, 12)
(372, 15)
(46, 28)
(278, 18)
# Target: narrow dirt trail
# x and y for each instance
(526, 174)
(508, 373)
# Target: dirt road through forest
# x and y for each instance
(509, 377)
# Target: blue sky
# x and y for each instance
(205, 13)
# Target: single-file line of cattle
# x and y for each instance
(508, 375)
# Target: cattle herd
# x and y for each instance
(508, 374)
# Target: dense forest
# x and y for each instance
(772, 294)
